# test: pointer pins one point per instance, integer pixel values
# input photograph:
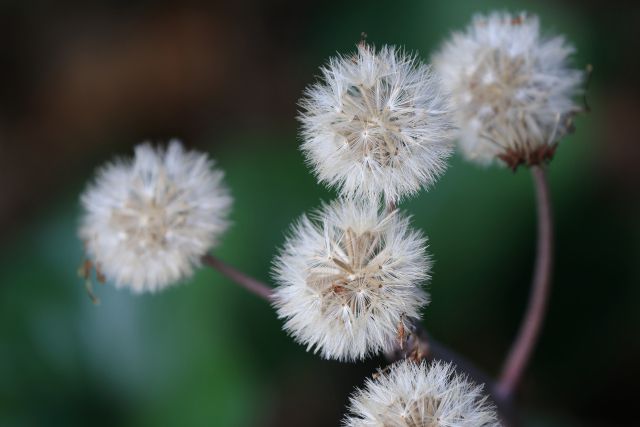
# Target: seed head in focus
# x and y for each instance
(376, 124)
(512, 89)
(349, 280)
(421, 395)
(148, 220)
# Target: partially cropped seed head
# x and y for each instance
(414, 394)
(512, 89)
(149, 219)
(376, 125)
(350, 279)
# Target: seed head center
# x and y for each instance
(493, 84)
(352, 275)
(145, 221)
(370, 128)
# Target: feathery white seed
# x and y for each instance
(376, 125)
(512, 89)
(349, 279)
(420, 395)
(149, 219)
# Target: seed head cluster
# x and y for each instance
(512, 88)
(414, 394)
(377, 124)
(378, 127)
(149, 219)
(349, 279)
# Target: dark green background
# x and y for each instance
(207, 352)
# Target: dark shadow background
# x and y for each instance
(82, 81)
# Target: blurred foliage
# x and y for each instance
(208, 353)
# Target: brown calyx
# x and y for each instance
(514, 158)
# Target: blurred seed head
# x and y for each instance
(148, 220)
(512, 88)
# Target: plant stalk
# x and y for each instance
(522, 348)
(249, 283)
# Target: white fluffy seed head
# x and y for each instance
(376, 125)
(512, 88)
(149, 219)
(349, 280)
(420, 395)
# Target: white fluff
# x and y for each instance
(420, 395)
(149, 219)
(349, 280)
(512, 88)
(376, 125)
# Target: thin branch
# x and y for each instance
(252, 285)
(524, 344)
(421, 344)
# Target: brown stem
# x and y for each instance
(252, 285)
(524, 344)
(421, 344)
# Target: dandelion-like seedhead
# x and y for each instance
(149, 219)
(349, 280)
(512, 88)
(376, 124)
(420, 395)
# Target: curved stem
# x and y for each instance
(524, 344)
(252, 285)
